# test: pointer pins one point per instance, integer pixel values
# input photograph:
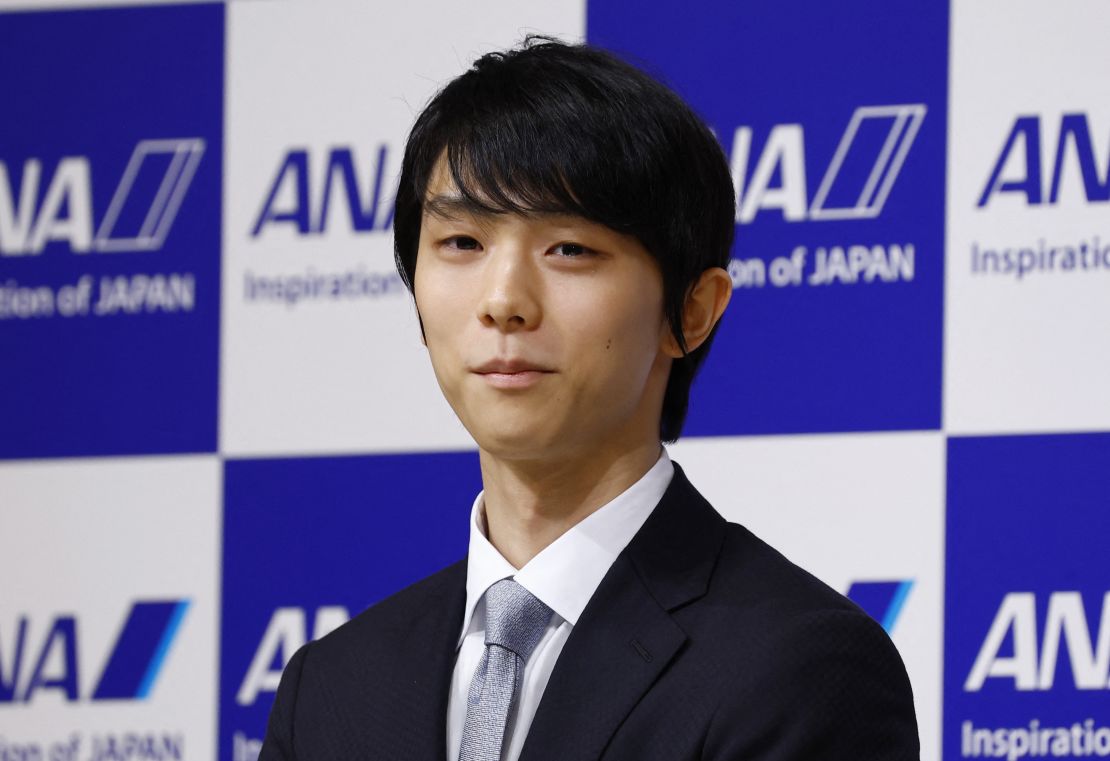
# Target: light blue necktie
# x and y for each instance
(515, 623)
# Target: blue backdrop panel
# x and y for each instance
(307, 534)
(809, 81)
(110, 230)
(1027, 573)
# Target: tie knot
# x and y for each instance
(515, 618)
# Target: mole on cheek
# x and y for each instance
(608, 343)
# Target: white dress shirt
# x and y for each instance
(564, 576)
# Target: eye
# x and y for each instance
(462, 243)
(571, 250)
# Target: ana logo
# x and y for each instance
(873, 147)
(882, 600)
(129, 671)
(292, 199)
(139, 216)
(286, 633)
(1033, 667)
(1018, 169)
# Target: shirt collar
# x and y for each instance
(566, 573)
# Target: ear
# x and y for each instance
(705, 303)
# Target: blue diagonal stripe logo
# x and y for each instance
(140, 650)
(882, 600)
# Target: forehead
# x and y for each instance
(443, 200)
(440, 181)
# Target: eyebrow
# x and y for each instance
(452, 207)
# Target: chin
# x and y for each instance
(513, 444)
(512, 430)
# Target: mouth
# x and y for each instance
(511, 373)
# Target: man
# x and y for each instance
(563, 222)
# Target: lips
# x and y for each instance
(513, 374)
(510, 367)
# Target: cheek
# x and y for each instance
(619, 335)
(636, 316)
(442, 326)
(439, 306)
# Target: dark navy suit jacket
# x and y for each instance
(701, 642)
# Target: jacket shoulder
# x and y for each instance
(805, 658)
(378, 681)
(760, 603)
(391, 619)
(750, 571)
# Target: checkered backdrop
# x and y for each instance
(221, 436)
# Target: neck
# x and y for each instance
(530, 504)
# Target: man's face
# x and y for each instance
(546, 332)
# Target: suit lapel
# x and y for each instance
(626, 636)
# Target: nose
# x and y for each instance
(509, 299)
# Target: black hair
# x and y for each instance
(555, 127)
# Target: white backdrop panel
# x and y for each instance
(339, 374)
(110, 533)
(1028, 353)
